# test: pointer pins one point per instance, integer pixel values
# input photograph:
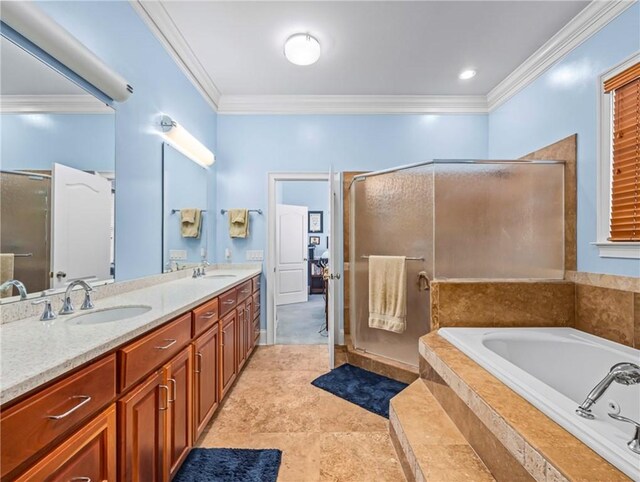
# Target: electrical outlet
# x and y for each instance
(255, 255)
(175, 254)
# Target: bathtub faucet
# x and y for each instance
(623, 373)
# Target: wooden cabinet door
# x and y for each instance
(248, 321)
(177, 376)
(89, 454)
(142, 431)
(241, 336)
(228, 367)
(205, 380)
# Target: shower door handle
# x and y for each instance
(423, 281)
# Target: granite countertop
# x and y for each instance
(34, 353)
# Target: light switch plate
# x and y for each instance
(255, 255)
(177, 254)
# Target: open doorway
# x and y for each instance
(303, 222)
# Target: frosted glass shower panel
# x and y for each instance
(499, 220)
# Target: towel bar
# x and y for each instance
(173, 211)
(259, 211)
(408, 258)
(25, 255)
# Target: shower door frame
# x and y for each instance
(337, 303)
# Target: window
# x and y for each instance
(619, 173)
(625, 154)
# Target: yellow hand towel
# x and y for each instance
(190, 222)
(238, 223)
(6, 273)
(388, 293)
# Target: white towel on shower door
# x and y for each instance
(388, 293)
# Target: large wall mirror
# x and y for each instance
(186, 221)
(57, 178)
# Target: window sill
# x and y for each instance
(626, 250)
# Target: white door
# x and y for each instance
(291, 254)
(334, 275)
(80, 226)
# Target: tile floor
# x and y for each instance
(323, 438)
(300, 323)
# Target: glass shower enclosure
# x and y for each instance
(452, 220)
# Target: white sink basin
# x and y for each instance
(107, 315)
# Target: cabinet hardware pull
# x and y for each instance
(244, 291)
(228, 302)
(171, 343)
(81, 479)
(85, 399)
(174, 386)
(208, 315)
(199, 362)
(166, 405)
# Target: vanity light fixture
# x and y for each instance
(302, 49)
(188, 145)
(467, 74)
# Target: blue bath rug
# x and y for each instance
(230, 465)
(362, 387)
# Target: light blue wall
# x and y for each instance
(315, 196)
(36, 141)
(114, 32)
(250, 146)
(185, 186)
(563, 102)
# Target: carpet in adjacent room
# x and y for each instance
(362, 387)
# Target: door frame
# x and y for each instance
(273, 178)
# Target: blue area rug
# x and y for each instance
(230, 465)
(362, 387)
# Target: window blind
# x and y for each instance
(625, 152)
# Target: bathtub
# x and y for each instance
(555, 369)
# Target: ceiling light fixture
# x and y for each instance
(467, 74)
(302, 49)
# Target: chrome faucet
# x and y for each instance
(18, 284)
(47, 314)
(634, 443)
(67, 305)
(623, 373)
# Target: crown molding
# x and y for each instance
(58, 104)
(156, 17)
(352, 104)
(589, 21)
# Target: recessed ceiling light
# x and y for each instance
(467, 74)
(302, 49)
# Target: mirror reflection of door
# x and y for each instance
(49, 120)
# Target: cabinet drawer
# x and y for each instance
(227, 302)
(31, 425)
(204, 317)
(244, 291)
(142, 356)
(256, 305)
(255, 283)
(89, 454)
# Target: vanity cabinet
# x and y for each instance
(205, 379)
(88, 455)
(134, 414)
(142, 430)
(30, 426)
(228, 342)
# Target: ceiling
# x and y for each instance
(368, 48)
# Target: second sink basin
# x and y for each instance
(107, 315)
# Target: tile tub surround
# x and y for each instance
(429, 445)
(24, 309)
(34, 353)
(483, 405)
(502, 303)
